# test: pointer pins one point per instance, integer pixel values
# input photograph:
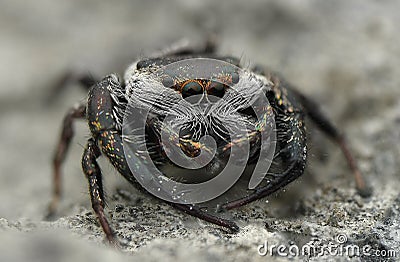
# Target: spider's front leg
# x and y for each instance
(108, 140)
(93, 174)
(291, 150)
(105, 139)
(98, 112)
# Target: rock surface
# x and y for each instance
(342, 53)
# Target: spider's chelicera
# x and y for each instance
(189, 126)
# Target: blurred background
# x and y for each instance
(344, 54)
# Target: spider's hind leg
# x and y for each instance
(313, 111)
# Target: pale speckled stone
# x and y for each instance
(342, 53)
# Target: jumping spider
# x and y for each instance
(104, 111)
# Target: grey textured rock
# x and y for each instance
(342, 53)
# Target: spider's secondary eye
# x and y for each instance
(216, 89)
(191, 88)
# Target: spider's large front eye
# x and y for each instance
(216, 89)
(191, 88)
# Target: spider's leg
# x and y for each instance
(291, 150)
(288, 176)
(102, 124)
(67, 133)
(182, 48)
(111, 145)
(110, 142)
(85, 80)
(93, 174)
(197, 212)
(313, 111)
